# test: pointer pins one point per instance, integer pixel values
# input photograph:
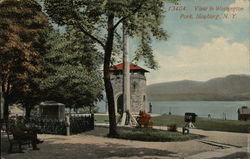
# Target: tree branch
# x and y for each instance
(133, 12)
(82, 28)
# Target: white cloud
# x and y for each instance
(216, 29)
(239, 14)
(240, 3)
(214, 59)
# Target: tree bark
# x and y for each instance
(107, 81)
(6, 96)
(111, 105)
(6, 109)
(28, 111)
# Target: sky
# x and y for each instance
(202, 48)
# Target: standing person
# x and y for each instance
(150, 107)
(209, 116)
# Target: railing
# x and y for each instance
(77, 124)
(81, 124)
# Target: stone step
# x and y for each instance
(228, 153)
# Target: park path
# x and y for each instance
(94, 145)
(229, 138)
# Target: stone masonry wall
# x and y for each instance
(137, 90)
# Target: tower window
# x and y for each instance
(134, 84)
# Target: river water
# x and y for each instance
(216, 109)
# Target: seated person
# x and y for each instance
(21, 131)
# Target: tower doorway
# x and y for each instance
(120, 108)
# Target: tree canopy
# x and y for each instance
(72, 67)
(142, 18)
(100, 20)
(21, 46)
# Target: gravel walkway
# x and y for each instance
(94, 145)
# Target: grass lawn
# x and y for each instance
(205, 123)
(147, 134)
(201, 123)
(100, 118)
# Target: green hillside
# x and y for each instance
(230, 88)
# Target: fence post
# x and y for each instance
(67, 123)
(92, 121)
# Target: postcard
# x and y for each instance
(116, 79)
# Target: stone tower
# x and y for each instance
(138, 95)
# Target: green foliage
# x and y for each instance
(72, 75)
(168, 120)
(144, 134)
(223, 125)
(205, 123)
(100, 21)
(143, 19)
(22, 42)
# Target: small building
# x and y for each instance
(244, 113)
(138, 97)
(52, 110)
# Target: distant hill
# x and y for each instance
(232, 87)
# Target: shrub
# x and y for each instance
(148, 134)
(143, 120)
(172, 127)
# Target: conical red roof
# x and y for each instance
(132, 67)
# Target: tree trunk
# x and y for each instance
(107, 82)
(27, 112)
(6, 97)
(111, 105)
(6, 109)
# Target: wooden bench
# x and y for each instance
(16, 138)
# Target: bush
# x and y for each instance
(143, 120)
(172, 127)
(147, 134)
